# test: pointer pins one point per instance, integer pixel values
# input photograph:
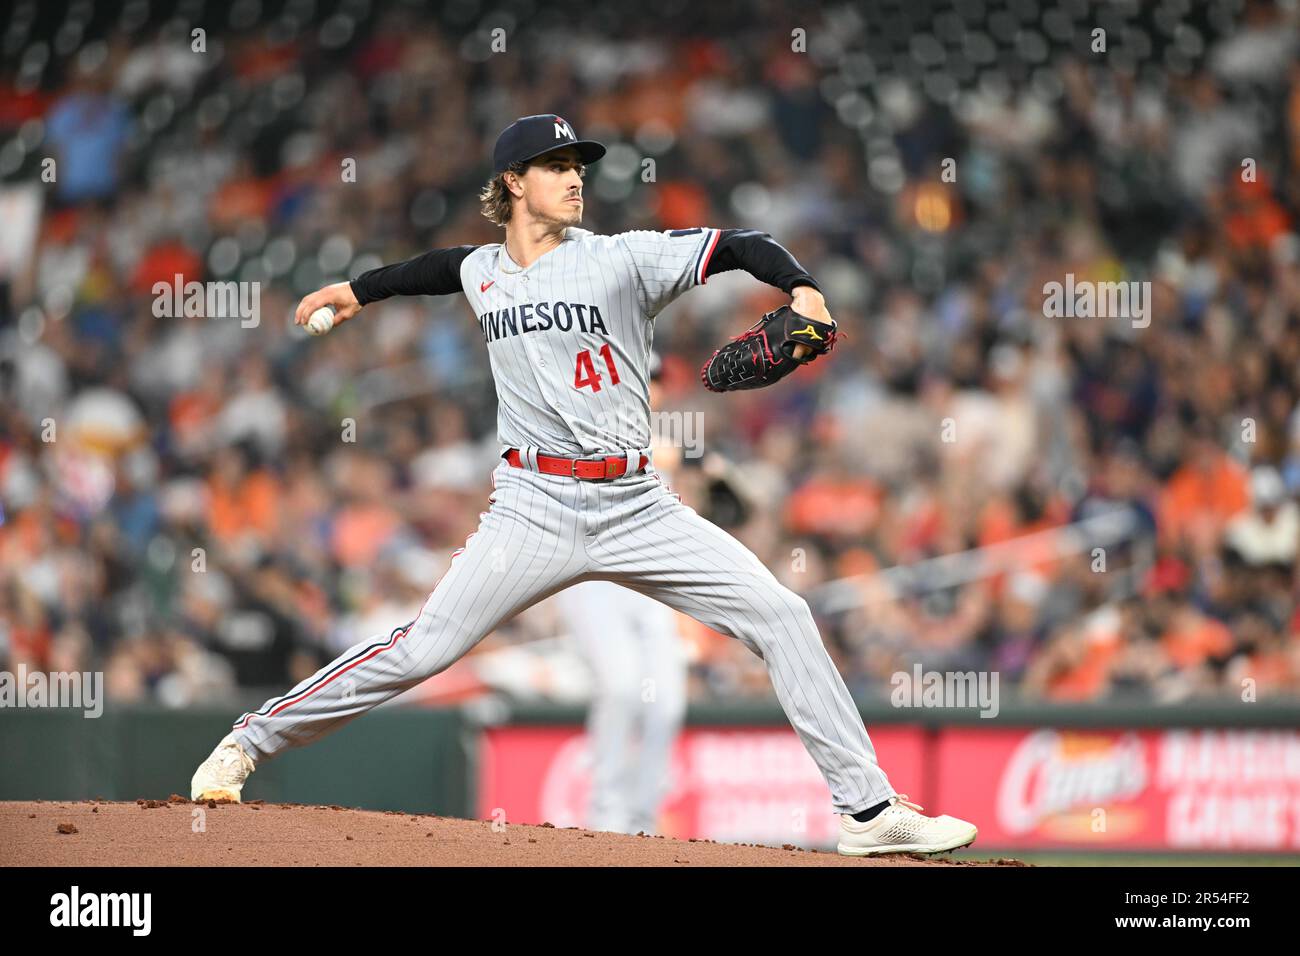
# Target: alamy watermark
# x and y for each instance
(676, 429)
(83, 691)
(209, 300)
(1098, 300)
(919, 688)
(130, 910)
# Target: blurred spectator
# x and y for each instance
(1269, 533)
(88, 127)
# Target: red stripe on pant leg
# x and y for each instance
(392, 642)
(289, 703)
(379, 650)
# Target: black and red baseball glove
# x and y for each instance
(765, 354)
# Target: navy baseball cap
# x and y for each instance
(530, 136)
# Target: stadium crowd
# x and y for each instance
(206, 506)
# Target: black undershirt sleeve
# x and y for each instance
(433, 273)
(761, 256)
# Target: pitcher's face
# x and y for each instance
(552, 187)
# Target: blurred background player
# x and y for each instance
(638, 667)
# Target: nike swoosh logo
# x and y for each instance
(484, 286)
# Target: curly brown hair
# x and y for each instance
(494, 199)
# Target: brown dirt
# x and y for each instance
(159, 833)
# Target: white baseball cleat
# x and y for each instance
(901, 828)
(222, 775)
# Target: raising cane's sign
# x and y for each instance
(1145, 789)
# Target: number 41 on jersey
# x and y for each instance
(585, 374)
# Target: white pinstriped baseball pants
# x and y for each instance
(543, 533)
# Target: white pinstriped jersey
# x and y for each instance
(569, 337)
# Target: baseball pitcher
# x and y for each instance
(638, 669)
(567, 317)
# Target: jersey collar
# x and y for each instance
(508, 266)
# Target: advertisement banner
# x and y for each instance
(740, 785)
(1183, 789)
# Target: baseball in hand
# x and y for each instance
(321, 321)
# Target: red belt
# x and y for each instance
(588, 469)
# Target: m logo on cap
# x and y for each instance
(563, 130)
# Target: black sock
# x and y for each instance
(862, 816)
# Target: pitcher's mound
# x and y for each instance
(177, 832)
